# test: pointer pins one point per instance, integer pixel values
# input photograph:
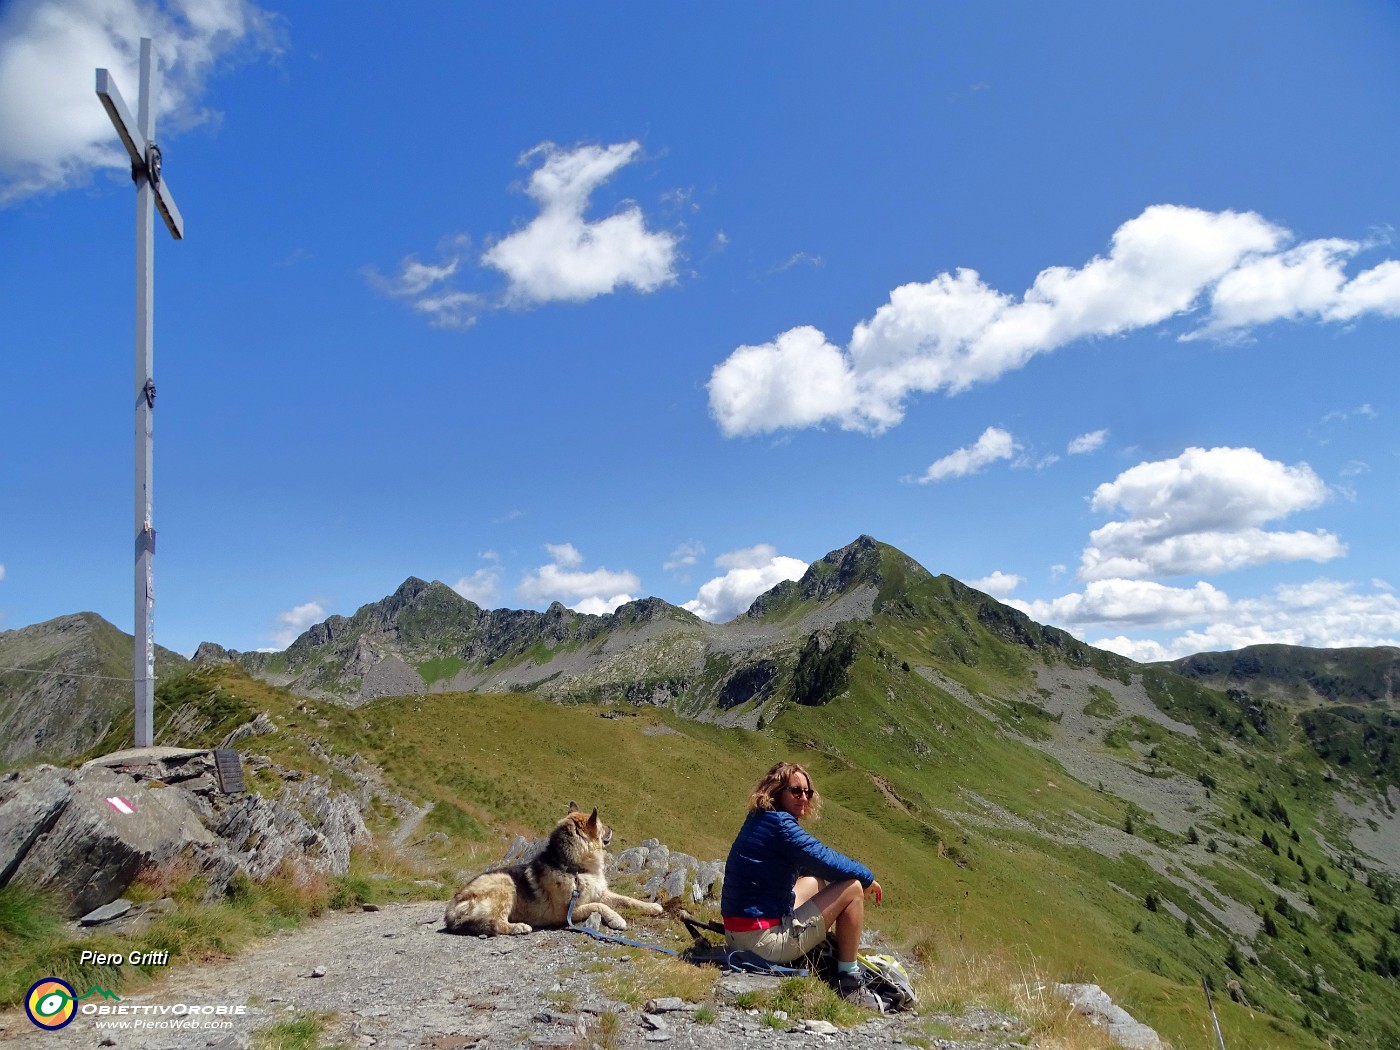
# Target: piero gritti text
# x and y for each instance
(118, 958)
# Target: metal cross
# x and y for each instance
(151, 188)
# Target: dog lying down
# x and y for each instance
(534, 894)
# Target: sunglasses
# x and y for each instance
(798, 792)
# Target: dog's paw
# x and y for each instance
(617, 922)
(519, 927)
(650, 908)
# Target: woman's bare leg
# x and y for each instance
(843, 906)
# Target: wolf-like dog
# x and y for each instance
(533, 894)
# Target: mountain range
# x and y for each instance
(1230, 815)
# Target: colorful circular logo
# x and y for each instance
(51, 1003)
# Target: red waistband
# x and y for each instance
(740, 924)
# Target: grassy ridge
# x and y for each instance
(974, 834)
(511, 763)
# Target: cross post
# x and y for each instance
(151, 192)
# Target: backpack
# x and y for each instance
(882, 973)
(886, 977)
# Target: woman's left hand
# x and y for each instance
(875, 891)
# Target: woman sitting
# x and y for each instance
(783, 889)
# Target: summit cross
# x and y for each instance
(151, 190)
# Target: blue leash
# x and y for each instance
(742, 961)
(569, 923)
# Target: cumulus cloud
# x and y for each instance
(1200, 512)
(1306, 281)
(1324, 614)
(597, 591)
(482, 587)
(750, 572)
(53, 131)
(296, 620)
(956, 331)
(560, 255)
(999, 584)
(1128, 602)
(1090, 442)
(994, 444)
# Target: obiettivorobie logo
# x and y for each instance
(51, 1003)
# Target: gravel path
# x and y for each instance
(392, 979)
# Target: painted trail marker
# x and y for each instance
(151, 190)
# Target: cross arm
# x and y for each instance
(112, 101)
(138, 148)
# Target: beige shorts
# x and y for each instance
(799, 933)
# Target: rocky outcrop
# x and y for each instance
(93, 832)
(1093, 1002)
(86, 834)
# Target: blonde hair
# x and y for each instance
(775, 782)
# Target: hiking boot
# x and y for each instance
(852, 988)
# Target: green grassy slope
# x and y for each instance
(898, 761)
(1200, 834)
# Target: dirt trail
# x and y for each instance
(392, 979)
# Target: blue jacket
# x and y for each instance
(772, 850)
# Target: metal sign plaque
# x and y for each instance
(229, 766)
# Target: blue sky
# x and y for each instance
(1094, 306)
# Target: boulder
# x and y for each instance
(92, 850)
(30, 804)
(1123, 1029)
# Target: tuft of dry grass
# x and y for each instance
(953, 979)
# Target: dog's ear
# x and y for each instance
(593, 820)
(573, 806)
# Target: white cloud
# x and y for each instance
(685, 555)
(1323, 614)
(428, 289)
(599, 606)
(1342, 415)
(999, 584)
(751, 571)
(1058, 570)
(53, 131)
(565, 554)
(798, 380)
(561, 256)
(799, 258)
(756, 557)
(1306, 281)
(2, 572)
(1200, 513)
(955, 331)
(598, 591)
(296, 620)
(1090, 442)
(1208, 553)
(1128, 602)
(482, 587)
(994, 444)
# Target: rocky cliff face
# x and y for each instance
(426, 638)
